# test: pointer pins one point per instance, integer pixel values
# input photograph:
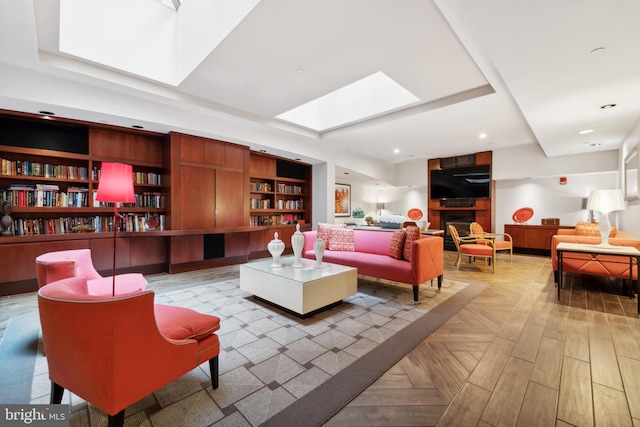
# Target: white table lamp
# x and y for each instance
(605, 201)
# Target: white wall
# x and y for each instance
(630, 217)
(548, 198)
(540, 191)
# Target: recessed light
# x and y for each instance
(300, 71)
(586, 131)
(396, 150)
(598, 49)
(47, 113)
(346, 173)
(482, 135)
(595, 144)
(263, 151)
(297, 159)
(607, 106)
(137, 127)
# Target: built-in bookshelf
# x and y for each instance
(278, 200)
(49, 176)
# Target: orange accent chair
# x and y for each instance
(58, 265)
(469, 246)
(505, 243)
(114, 351)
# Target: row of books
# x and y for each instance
(49, 195)
(138, 177)
(260, 203)
(289, 189)
(147, 199)
(257, 220)
(44, 170)
(260, 186)
(290, 204)
(45, 195)
(65, 225)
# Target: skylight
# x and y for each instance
(173, 4)
(365, 98)
(144, 37)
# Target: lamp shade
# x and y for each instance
(606, 201)
(116, 183)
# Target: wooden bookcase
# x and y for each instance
(50, 173)
(200, 187)
(279, 197)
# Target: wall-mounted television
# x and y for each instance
(467, 182)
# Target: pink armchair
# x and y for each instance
(114, 351)
(53, 266)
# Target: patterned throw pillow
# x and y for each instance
(592, 229)
(396, 245)
(342, 239)
(324, 231)
(412, 233)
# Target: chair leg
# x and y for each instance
(415, 293)
(213, 367)
(56, 393)
(439, 282)
(117, 420)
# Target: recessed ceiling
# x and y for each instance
(531, 73)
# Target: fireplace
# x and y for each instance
(461, 220)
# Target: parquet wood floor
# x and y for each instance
(516, 356)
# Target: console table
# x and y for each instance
(627, 253)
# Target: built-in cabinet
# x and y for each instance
(532, 237)
(202, 190)
(48, 179)
(478, 210)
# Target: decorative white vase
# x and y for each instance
(297, 244)
(318, 249)
(276, 247)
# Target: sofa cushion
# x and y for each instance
(342, 239)
(592, 229)
(180, 323)
(396, 244)
(411, 233)
(324, 231)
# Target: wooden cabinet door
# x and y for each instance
(517, 234)
(229, 202)
(197, 198)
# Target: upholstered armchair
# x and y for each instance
(501, 241)
(473, 247)
(57, 265)
(114, 351)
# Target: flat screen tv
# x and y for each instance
(460, 183)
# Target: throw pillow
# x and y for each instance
(411, 233)
(342, 239)
(592, 229)
(396, 245)
(324, 231)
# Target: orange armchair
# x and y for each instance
(471, 247)
(57, 265)
(501, 244)
(114, 351)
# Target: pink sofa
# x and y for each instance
(371, 258)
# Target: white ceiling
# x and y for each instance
(521, 72)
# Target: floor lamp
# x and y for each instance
(605, 201)
(116, 186)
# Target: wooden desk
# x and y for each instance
(630, 253)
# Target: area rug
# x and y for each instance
(277, 369)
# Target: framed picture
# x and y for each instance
(343, 200)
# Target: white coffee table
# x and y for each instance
(300, 290)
